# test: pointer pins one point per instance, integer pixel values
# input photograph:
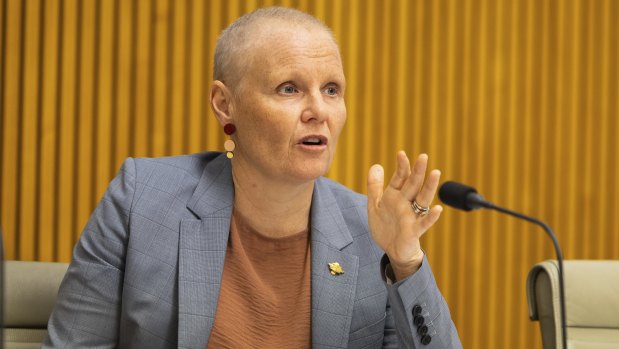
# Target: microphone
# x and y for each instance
(467, 198)
(461, 196)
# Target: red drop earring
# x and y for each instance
(229, 144)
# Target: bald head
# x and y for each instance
(234, 46)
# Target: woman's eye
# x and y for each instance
(331, 91)
(287, 89)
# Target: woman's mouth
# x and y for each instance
(314, 143)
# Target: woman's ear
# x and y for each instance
(221, 100)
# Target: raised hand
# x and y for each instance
(395, 225)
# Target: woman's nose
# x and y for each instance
(316, 109)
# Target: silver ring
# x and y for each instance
(420, 210)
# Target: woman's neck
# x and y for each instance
(271, 207)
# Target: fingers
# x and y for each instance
(413, 185)
(431, 218)
(419, 188)
(376, 181)
(428, 191)
(403, 171)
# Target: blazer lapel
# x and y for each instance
(332, 295)
(202, 250)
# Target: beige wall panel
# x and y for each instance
(518, 98)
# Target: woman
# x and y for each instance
(254, 248)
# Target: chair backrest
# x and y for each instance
(592, 303)
(29, 297)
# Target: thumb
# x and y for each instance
(376, 182)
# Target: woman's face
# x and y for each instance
(289, 105)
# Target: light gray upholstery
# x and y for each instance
(30, 294)
(592, 303)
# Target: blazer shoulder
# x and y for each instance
(178, 176)
(187, 166)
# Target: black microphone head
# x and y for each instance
(457, 195)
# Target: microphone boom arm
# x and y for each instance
(464, 197)
(550, 233)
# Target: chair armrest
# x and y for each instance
(30, 292)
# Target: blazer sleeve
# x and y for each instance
(87, 310)
(420, 314)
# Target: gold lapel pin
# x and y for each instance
(335, 268)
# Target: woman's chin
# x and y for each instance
(298, 171)
(311, 171)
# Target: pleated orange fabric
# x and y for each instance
(265, 297)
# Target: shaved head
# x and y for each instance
(234, 46)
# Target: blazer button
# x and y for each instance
(418, 320)
(423, 330)
(417, 310)
(425, 340)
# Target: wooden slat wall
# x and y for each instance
(519, 98)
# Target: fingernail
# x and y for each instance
(378, 170)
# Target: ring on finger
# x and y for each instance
(420, 210)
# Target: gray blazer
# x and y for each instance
(146, 271)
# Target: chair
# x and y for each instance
(592, 303)
(29, 296)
